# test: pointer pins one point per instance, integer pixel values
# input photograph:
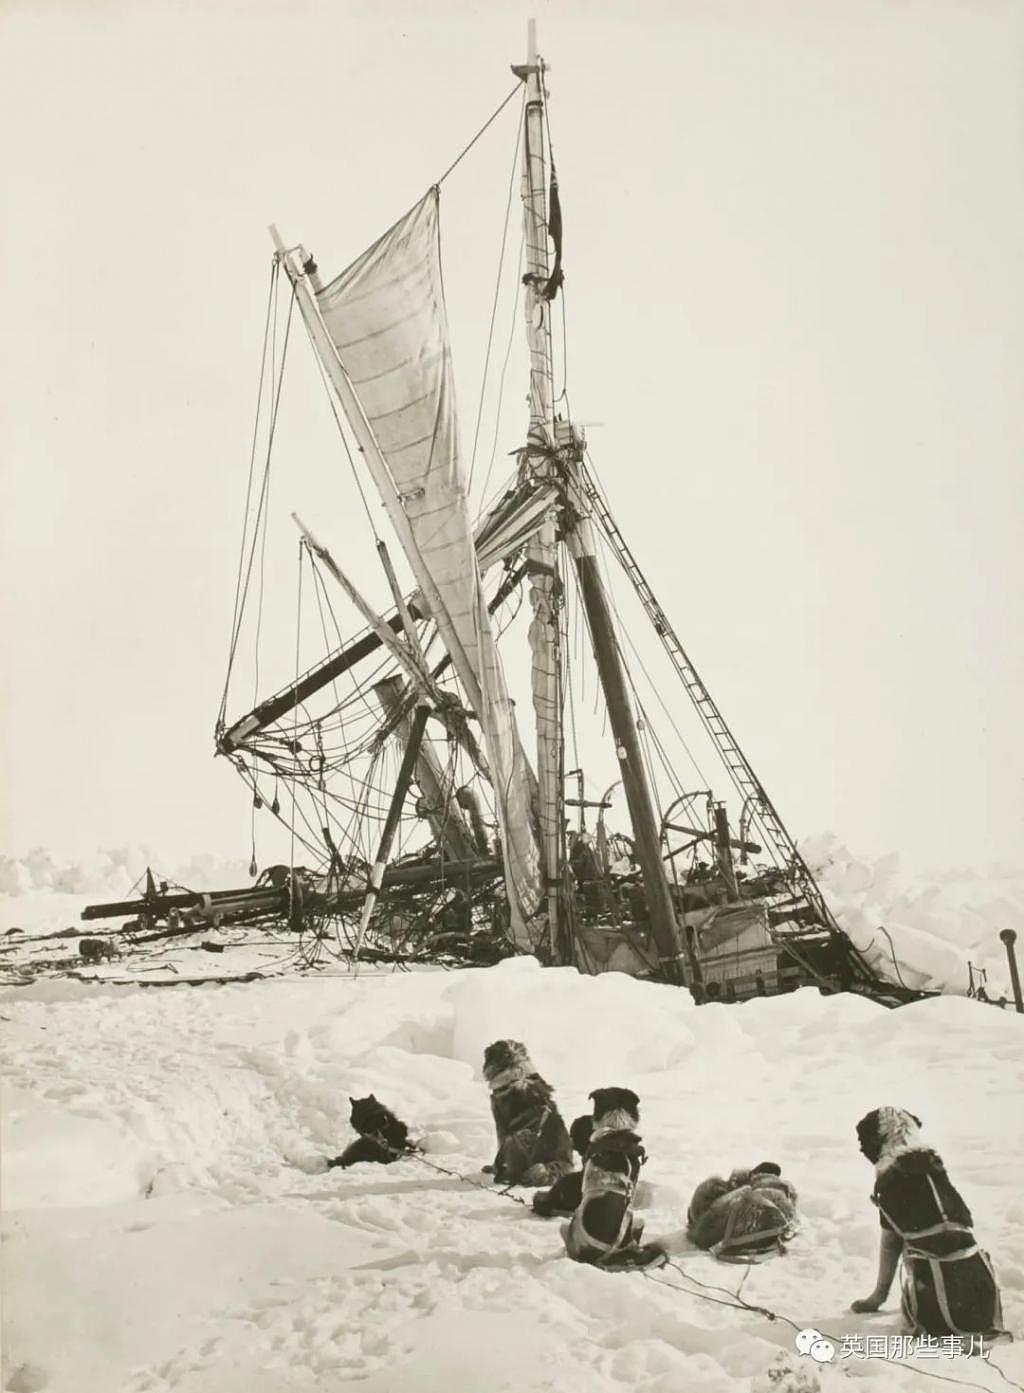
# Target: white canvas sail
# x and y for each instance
(385, 317)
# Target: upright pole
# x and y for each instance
(387, 837)
(723, 851)
(544, 435)
(542, 552)
(1009, 938)
(535, 233)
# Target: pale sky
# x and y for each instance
(795, 303)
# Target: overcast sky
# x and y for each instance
(795, 304)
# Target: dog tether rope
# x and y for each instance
(736, 1301)
(411, 1152)
(739, 1304)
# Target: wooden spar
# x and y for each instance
(387, 836)
(412, 637)
(738, 844)
(445, 816)
(535, 233)
(723, 851)
(421, 678)
(293, 695)
(318, 677)
(634, 775)
(580, 537)
(542, 550)
(387, 636)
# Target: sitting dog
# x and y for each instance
(949, 1286)
(744, 1217)
(382, 1137)
(533, 1145)
(563, 1199)
(603, 1230)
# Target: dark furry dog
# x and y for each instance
(382, 1136)
(744, 1218)
(604, 1230)
(563, 1199)
(94, 950)
(949, 1286)
(533, 1145)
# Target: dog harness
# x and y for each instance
(916, 1251)
(604, 1174)
(515, 1127)
(752, 1246)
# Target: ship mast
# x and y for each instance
(538, 462)
(579, 535)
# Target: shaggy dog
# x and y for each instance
(603, 1230)
(533, 1145)
(382, 1137)
(749, 1214)
(563, 1199)
(949, 1287)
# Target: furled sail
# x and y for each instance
(385, 316)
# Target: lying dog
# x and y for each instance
(563, 1199)
(745, 1217)
(94, 950)
(603, 1230)
(533, 1145)
(382, 1136)
(949, 1287)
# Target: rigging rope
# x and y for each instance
(262, 502)
(504, 370)
(459, 158)
(235, 621)
(494, 306)
(654, 686)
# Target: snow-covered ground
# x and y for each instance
(170, 1223)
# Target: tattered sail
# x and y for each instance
(386, 319)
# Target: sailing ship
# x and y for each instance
(429, 816)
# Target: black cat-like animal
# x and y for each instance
(383, 1137)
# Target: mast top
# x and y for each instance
(530, 68)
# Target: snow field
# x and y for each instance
(170, 1225)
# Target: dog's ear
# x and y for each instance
(634, 1100)
(917, 1120)
(352, 1100)
(869, 1135)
